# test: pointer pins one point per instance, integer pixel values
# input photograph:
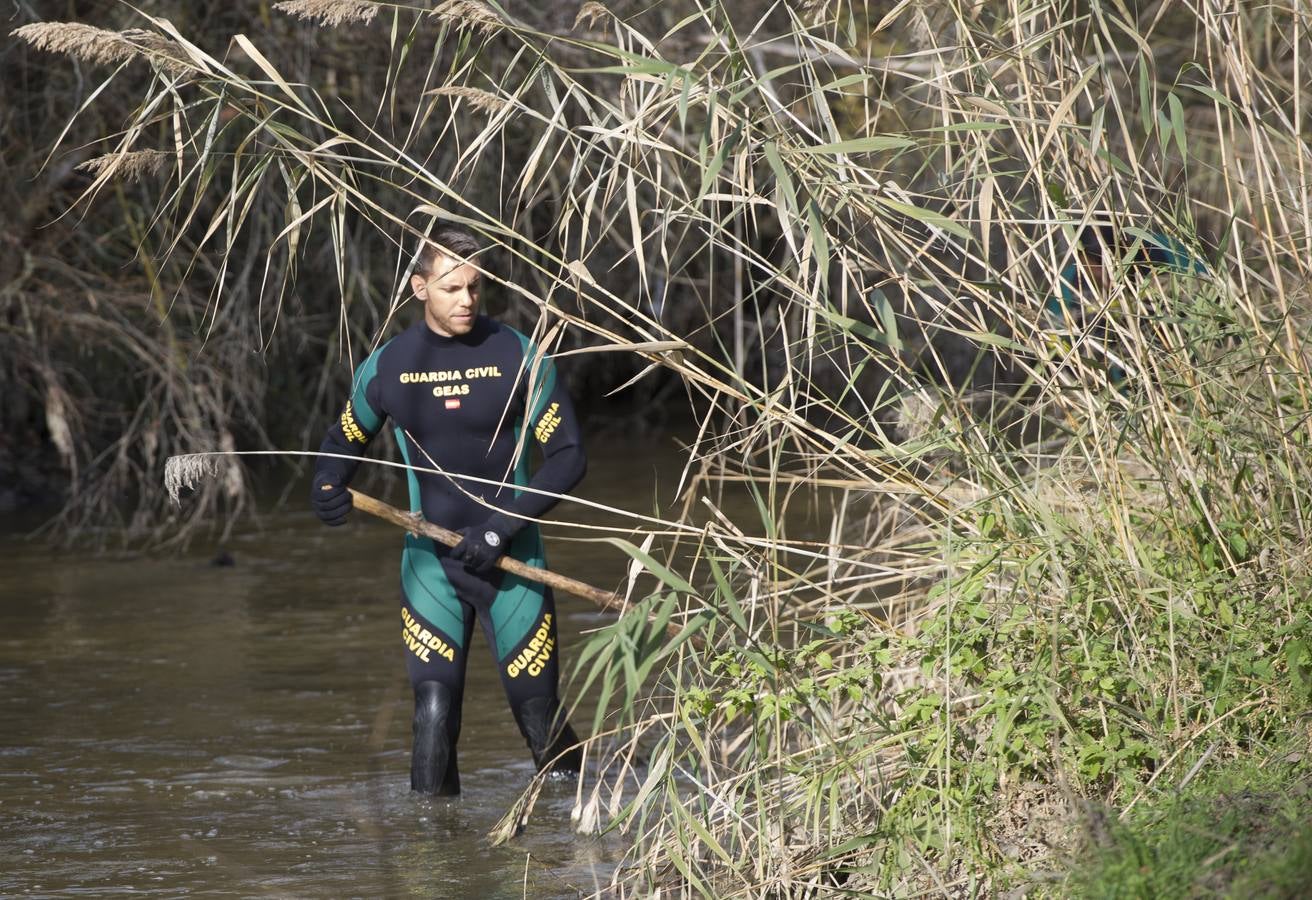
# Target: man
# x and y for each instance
(1101, 249)
(467, 396)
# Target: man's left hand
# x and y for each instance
(481, 546)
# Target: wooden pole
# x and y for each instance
(415, 523)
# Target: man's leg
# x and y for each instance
(433, 767)
(522, 632)
(436, 628)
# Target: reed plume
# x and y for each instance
(331, 12)
(479, 99)
(471, 13)
(85, 42)
(132, 164)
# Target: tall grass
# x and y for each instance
(838, 230)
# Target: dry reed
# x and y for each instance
(479, 99)
(470, 13)
(85, 42)
(132, 164)
(331, 12)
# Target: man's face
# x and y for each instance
(449, 294)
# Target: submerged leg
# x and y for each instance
(522, 631)
(550, 738)
(433, 768)
(436, 627)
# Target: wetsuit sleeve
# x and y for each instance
(1067, 300)
(1172, 254)
(361, 419)
(555, 429)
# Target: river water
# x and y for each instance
(170, 727)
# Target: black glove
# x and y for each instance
(330, 498)
(482, 545)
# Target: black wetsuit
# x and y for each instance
(469, 405)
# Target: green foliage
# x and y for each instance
(1078, 684)
(788, 683)
(1243, 831)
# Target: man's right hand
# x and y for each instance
(331, 500)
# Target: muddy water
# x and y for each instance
(169, 727)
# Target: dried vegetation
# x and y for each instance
(1066, 560)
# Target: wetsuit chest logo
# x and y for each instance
(473, 373)
(450, 383)
(429, 377)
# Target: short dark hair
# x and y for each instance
(455, 240)
(1094, 238)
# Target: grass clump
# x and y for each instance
(1243, 831)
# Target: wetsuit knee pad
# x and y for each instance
(549, 736)
(432, 759)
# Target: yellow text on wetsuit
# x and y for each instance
(349, 428)
(420, 641)
(469, 374)
(547, 424)
(450, 390)
(538, 652)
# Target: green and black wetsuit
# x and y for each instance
(1156, 251)
(470, 405)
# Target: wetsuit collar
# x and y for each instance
(482, 325)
